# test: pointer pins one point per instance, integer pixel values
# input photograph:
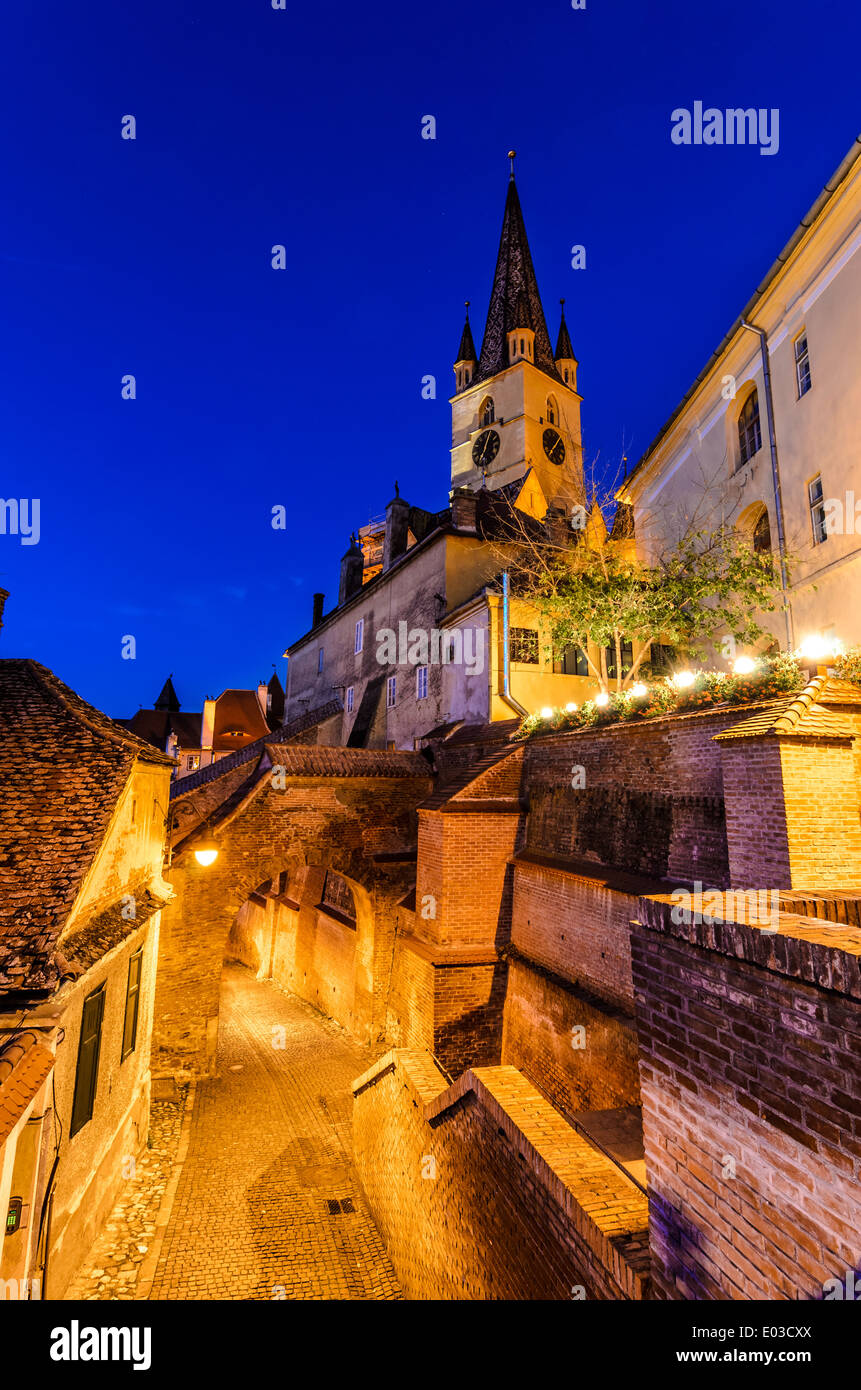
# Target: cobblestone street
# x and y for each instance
(266, 1204)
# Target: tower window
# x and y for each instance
(360, 636)
(552, 411)
(350, 697)
(391, 692)
(749, 435)
(487, 414)
(320, 661)
(421, 682)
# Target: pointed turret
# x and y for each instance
(566, 362)
(514, 297)
(464, 367)
(167, 699)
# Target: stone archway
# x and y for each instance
(348, 811)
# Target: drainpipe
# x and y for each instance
(506, 694)
(775, 476)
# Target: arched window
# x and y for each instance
(762, 535)
(749, 436)
(552, 411)
(487, 414)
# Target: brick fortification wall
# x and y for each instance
(751, 1103)
(482, 1191)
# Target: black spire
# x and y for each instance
(466, 352)
(167, 699)
(563, 342)
(514, 277)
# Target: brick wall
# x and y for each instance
(751, 1104)
(482, 1191)
(576, 1051)
(652, 801)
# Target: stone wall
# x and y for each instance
(482, 1191)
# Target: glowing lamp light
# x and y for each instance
(639, 690)
(682, 680)
(602, 699)
(206, 853)
(547, 712)
(816, 648)
(743, 666)
(570, 707)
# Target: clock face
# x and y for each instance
(485, 448)
(554, 447)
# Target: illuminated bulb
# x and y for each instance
(639, 690)
(743, 666)
(547, 712)
(570, 708)
(206, 853)
(683, 679)
(602, 699)
(816, 648)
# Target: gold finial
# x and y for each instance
(511, 155)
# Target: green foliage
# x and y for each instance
(848, 665)
(772, 676)
(711, 583)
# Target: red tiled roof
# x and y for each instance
(239, 720)
(63, 766)
(24, 1064)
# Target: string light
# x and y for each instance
(743, 666)
(683, 679)
(602, 699)
(639, 690)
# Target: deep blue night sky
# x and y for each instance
(302, 387)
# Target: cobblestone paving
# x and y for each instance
(267, 1205)
(112, 1267)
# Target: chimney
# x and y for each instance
(397, 516)
(4, 594)
(263, 697)
(317, 611)
(352, 569)
(207, 732)
(463, 505)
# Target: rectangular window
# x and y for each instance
(360, 636)
(320, 662)
(88, 1059)
(802, 365)
(627, 659)
(817, 510)
(421, 682)
(523, 645)
(572, 662)
(133, 990)
(391, 691)
(350, 696)
(661, 658)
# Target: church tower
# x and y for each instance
(516, 408)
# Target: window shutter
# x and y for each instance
(130, 1026)
(88, 1059)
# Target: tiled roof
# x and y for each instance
(63, 766)
(297, 726)
(466, 352)
(563, 342)
(154, 726)
(802, 714)
(24, 1064)
(239, 720)
(311, 760)
(87, 944)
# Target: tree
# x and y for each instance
(588, 586)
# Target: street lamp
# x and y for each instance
(207, 852)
